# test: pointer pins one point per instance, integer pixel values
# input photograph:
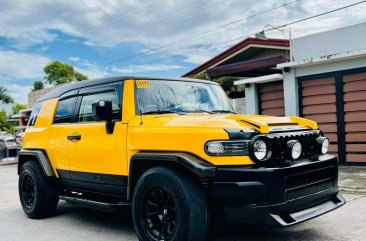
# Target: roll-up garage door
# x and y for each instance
(354, 88)
(271, 99)
(319, 104)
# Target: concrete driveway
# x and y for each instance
(73, 224)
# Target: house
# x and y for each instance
(252, 58)
(323, 80)
(326, 82)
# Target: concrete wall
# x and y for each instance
(342, 40)
(35, 95)
(239, 105)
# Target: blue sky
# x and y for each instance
(92, 34)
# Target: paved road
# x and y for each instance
(74, 224)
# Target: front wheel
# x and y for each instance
(168, 206)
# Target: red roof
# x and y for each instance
(235, 48)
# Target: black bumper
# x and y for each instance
(279, 196)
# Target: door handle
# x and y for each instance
(74, 137)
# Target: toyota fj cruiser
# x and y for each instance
(176, 151)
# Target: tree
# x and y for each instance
(17, 107)
(4, 97)
(199, 76)
(38, 85)
(3, 117)
(227, 83)
(59, 73)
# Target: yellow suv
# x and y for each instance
(176, 151)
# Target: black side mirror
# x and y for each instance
(102, 110)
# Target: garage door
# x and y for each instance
(271, 99)
(354, 89)
(319, 104)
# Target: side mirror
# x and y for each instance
(102, 110)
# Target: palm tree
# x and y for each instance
(4, 97)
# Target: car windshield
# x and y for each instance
(174, 96)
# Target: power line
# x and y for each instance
(167, 21)
(245, 36)
(186, 12)
(146, 52)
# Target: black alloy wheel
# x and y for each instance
(28, 190)
(159, 214)
(169, 206)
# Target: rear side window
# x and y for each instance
(65, 110)
(85, 113)
(34, 114)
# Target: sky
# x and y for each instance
(143, 38)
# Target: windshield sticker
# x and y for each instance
(142, 84)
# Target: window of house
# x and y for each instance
(85, 112)
(65, 110)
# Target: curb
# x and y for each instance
(354, 190)
(8, 161)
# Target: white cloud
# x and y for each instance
(74, 59)
(21, 66)
(19, 92)
(132, 69)
(112, 22)
(90, 69)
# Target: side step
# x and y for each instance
(102, 206)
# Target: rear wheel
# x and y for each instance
(168, 206)
(37, 193)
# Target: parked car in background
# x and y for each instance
(19, 135)
(8, 146)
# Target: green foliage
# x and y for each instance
(4, 97)
(199, 76)
(38, 85)
(4, 126)
(3, 117)
(227, 83)
(17, 107)
(59, 73)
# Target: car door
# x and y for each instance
(98, 160)
(58, 132)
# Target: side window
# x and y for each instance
(85, 112)
(65, 110)
(34, 114)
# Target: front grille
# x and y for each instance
(310, 182)
(13, 152)
(306, 138)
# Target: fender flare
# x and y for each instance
(38, 155)
(189, 162)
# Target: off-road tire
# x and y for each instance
(191, 210)
(45, 197)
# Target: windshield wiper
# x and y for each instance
(163, 112)
(200, 110)
(223, 111)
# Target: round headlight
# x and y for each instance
(295, 148)
(260, 149)
(323, 143)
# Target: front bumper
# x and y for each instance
(279, 196)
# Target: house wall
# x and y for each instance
(322, 45)
(342, 40)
